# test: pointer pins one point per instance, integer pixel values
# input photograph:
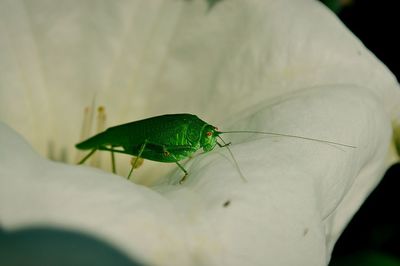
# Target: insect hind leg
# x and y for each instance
(87, 156)
(137, 158)
(112, 150)
(113, 167)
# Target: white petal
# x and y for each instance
(297, 198)
(227, 65)
(143, 58)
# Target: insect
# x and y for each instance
(166, 138)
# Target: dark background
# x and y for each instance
(373, 236)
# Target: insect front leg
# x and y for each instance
(184, 170)
(170, 151)
(224, 145)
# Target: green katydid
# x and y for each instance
(167, 138)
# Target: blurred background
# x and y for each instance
(373, 236)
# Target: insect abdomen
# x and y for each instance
(92, 142)
(165, 130)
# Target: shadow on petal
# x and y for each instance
(50, 246)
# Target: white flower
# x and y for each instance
(281, 66)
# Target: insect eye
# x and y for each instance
(209, 133)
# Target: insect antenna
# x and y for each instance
(290, 136)
(233, 157)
